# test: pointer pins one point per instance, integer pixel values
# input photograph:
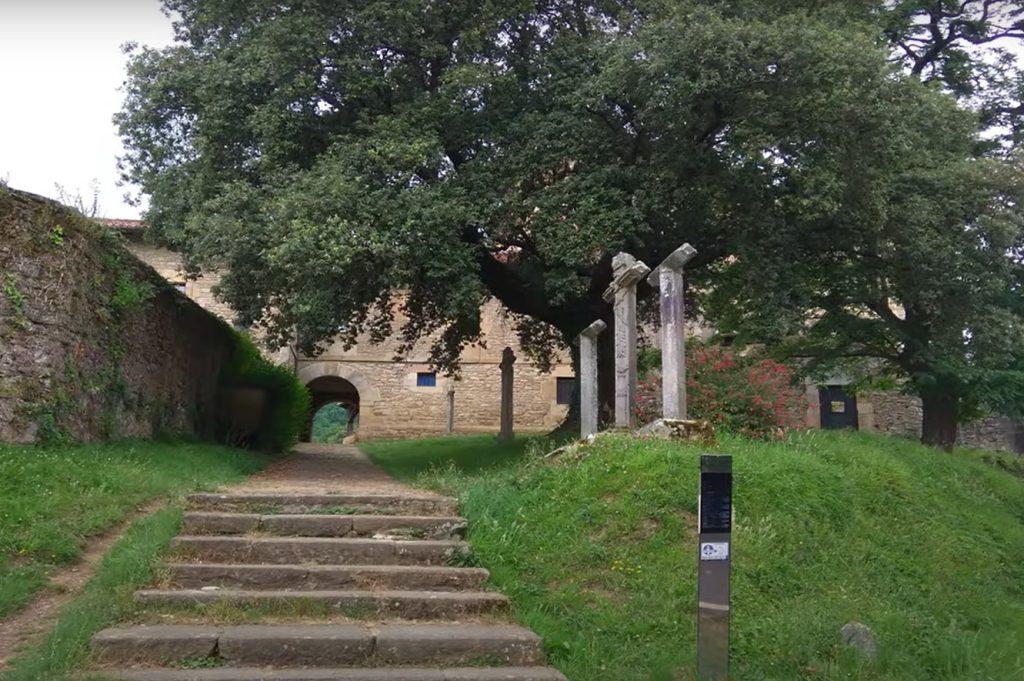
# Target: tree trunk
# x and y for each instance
(939, 419)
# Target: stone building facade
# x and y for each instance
(403, 397)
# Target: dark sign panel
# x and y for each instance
(716, 494)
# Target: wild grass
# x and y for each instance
(599, 557)
(407, 459)
(107, 597)
(53, 498)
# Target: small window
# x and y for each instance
(563, 389)
(426, 379)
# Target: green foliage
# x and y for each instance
(744, 394)
(47, 416)
(830, 528)
(129, 291)
(16, 301)
(207, 662)
(288, 406)
(330, 423)
(53, 498)
(511, 150)
(56, 236)
(129, 294)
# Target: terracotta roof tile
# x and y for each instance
(115, 223)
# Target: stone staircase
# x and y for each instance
(306, 587)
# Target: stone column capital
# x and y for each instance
(627, 272)
(592, 331)
(675, 262)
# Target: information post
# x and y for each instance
(714, 511)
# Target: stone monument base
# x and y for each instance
(699, 432)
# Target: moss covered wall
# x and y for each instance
(93, 343)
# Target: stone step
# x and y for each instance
(323, 577)
(325, 504)
(357, 603)
(321, 645)
(318, 525)
(315, 550)
(372, 674)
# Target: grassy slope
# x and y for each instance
(107, 597)
(599, 557)
(51, 499)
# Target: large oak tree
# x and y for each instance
(326, 154)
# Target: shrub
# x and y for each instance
(743, 394)
(288, 399)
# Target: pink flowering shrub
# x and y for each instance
(748, 395)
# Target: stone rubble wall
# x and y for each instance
(93, 343)
(894, 413)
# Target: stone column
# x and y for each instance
(449, 410)
(508, 358)
(668, 277)
(627, 271)
(589, 406)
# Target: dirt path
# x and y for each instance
(28, 625)
(325, 469)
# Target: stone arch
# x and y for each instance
(333, 382)
(368, 394)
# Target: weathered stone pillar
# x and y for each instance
(627, 272)
(589, 406)
(668, 277)
(449, 410)
(508, 358)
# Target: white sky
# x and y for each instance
(60, 70)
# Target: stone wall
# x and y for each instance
(94, 343)
(894, 413)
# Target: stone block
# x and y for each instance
(296, 646)
(202, 522)
(698, 432)
(455, 644)
(307, 525)
(164, 644)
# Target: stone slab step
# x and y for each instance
(319, 525)
(402, 604)
(379, 674)
(336, 504)
(315, 550)
(324, 577)
(321, 645)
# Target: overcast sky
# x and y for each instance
(60, 70)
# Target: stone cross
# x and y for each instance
(508, 358)
(589, 406)
(627, 271)
(668, 276)
(449, 410)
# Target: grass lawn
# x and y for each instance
(52, 499)
(406, 459)
(598, 556)
(106, 599)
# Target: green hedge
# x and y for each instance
(288, 398)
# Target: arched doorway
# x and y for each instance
(332, 390)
